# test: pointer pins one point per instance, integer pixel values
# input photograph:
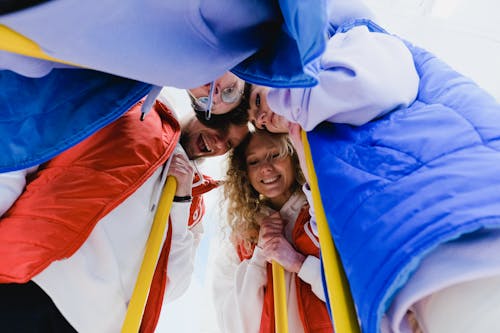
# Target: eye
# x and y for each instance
(273, 156)
(252, 162)
(228, 91)
(257, 100)
(231, 94)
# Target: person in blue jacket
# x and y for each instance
(413, 208)
(408, 175)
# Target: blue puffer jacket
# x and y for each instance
(398, 186)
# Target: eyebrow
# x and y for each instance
(247, 157)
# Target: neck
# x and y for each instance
(277, 203)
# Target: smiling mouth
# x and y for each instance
(203, 145)
(270, 180)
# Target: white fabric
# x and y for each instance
(11, 186)
(443, 282)
(238, 286)
(340, 11)
(307, 192)
(182, 251)
(92, 288)
(363, 75)
(310, 272)
(472, 306)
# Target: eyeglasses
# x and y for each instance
(228, 95)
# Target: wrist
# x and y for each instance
(183, 198)
(300, 258)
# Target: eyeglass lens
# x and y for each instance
(228, 95)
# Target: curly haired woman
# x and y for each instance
(269, 219)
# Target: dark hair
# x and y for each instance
(237, 116)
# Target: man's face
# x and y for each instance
(199, 140)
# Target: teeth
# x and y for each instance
(207, 149)
(270, 180)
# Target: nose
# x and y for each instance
(265, 166)
(221, 145)
(260, 119)
(216, 97)
(205, 88)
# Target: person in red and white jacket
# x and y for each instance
(72, 243)
(269, 219)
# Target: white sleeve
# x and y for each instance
(238, 289)
(310, 272)
(182, 251)
(11, 186)
(362, 75)
(307, 192)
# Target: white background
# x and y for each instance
(465, 33)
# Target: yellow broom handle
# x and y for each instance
(343, 311)
(279, 291)
(14, 42)
(139, 297)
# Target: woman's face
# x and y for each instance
(227, 94)
(261, 115)
(268, 173)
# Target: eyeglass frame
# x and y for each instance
(208, 108)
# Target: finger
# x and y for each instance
(269, 233)
(271, 222)
(271, 225)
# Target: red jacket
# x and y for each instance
(313, 312)
(41, 228)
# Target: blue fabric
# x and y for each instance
(42, 117)
(177, 43)
(287, 60)
(183, 44)
(398, 186)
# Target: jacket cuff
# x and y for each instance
(179, 217)
(310, 271)
(258, 258)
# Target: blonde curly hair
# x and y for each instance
(244, 203)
